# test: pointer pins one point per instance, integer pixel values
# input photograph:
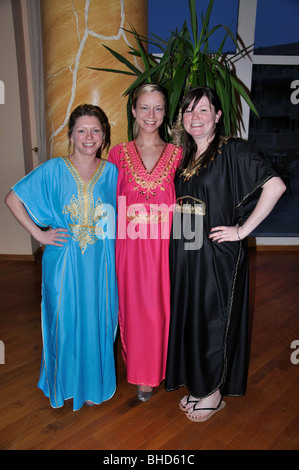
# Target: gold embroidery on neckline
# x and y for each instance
(84, 213)
(142, 162)
(195, 166)
(148, 182)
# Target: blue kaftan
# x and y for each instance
(79, 288)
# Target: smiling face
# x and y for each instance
(200, 122)
(87, 135)
(149, 111)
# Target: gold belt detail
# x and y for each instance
(190, 205)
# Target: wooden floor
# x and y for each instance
(267, 417)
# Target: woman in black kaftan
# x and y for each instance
(216, 190)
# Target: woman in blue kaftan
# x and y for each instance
(79, 288)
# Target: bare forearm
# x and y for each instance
(272, 191)
(20, 213)
(56, 237)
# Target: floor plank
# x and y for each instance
(267, 417)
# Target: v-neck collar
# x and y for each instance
(73, 169)
(149, 172)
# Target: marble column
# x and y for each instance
(74, 32)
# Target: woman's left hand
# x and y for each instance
(271, 192)
(225, 234)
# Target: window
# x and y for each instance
(167, 15)
(278, 28)
(269, 72)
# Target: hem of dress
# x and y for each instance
(144, 383)
(222, 379)
(72, 398)
(199, 398)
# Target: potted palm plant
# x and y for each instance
(186, 61)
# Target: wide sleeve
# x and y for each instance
(249, 173)
(34, 192)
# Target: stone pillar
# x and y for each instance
(74, 32)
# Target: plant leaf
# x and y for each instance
(124, 72)
(177, 87)
(241, 90)
(193, 18)
(123, 60)
(187, 61)
(205, 24)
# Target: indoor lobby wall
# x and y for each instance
(14, 240)
(74, 34)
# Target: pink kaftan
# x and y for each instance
(142, 258)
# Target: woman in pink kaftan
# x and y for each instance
(146, 195)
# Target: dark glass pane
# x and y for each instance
(277, 26)
(275, 135)
(165, 16)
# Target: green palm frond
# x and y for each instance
(186, 61)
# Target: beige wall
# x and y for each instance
(72, 40)
(73, 37)
(69, 47)
(13, 145)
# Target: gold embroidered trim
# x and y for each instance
(57, 324)
(147, 182)
(139, 214)
(190, 205)
(195, 166)
(142, 163)
(84, 213)
(257, 187)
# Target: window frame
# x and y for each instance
(244, 66)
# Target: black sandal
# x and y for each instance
(183, 407)
(220, 406)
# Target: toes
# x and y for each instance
(184, 401)
(187, 402)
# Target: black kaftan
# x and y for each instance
(208, 339)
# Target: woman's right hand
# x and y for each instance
(53, 236)
(56, 236)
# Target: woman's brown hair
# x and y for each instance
(96, 111)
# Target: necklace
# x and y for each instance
(195, 166)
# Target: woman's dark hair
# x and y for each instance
(189, 145)
(91, 110)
